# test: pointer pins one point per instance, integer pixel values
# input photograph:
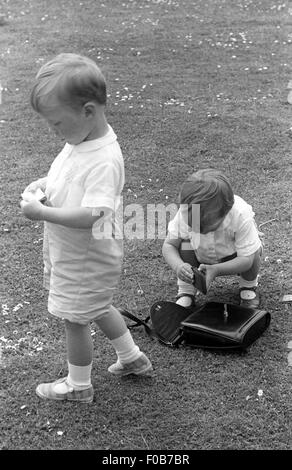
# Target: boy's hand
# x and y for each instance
(185, 273)
(210, 272)
(32, 210)
(38, 195)
(33, 187)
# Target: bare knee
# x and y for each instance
(112, 323)
(253, 271)
(75, 327)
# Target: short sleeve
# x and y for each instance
(177, 228)
(101, 187)
(247, 240)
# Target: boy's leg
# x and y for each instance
(186, 292)
(248, 283)
(252, 273)
(79, 354)
(130, 359)
(77, 385)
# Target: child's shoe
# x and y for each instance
(48, 391)
(140, 366)
(186, 300)
(249, 297)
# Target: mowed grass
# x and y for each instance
(191, 85)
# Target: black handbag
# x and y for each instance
(214, 325)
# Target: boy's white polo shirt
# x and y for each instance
(236, 234)
(82, 271)
(90, 174)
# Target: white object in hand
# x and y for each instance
(29, 196)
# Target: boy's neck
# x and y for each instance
(99, 130)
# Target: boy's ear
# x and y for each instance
(89, 109)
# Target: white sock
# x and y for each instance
(185, 288)
(79, 377)
(126, 349)
(244, 283)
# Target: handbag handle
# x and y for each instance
(138, 322)
(150, 331)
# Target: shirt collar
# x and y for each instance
(95, 144)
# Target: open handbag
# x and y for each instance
(214, 325)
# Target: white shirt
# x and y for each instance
(93, 172)
(236, 234)
(82, 271)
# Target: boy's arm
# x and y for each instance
(78, 217)
(170, 252)
(237, 265)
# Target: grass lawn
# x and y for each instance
(191, 84)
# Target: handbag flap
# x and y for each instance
(166, 318)
(224, 320)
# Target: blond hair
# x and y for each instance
(211, 189)
(72, 78)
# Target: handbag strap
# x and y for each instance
(150, 331)
(138, 322)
